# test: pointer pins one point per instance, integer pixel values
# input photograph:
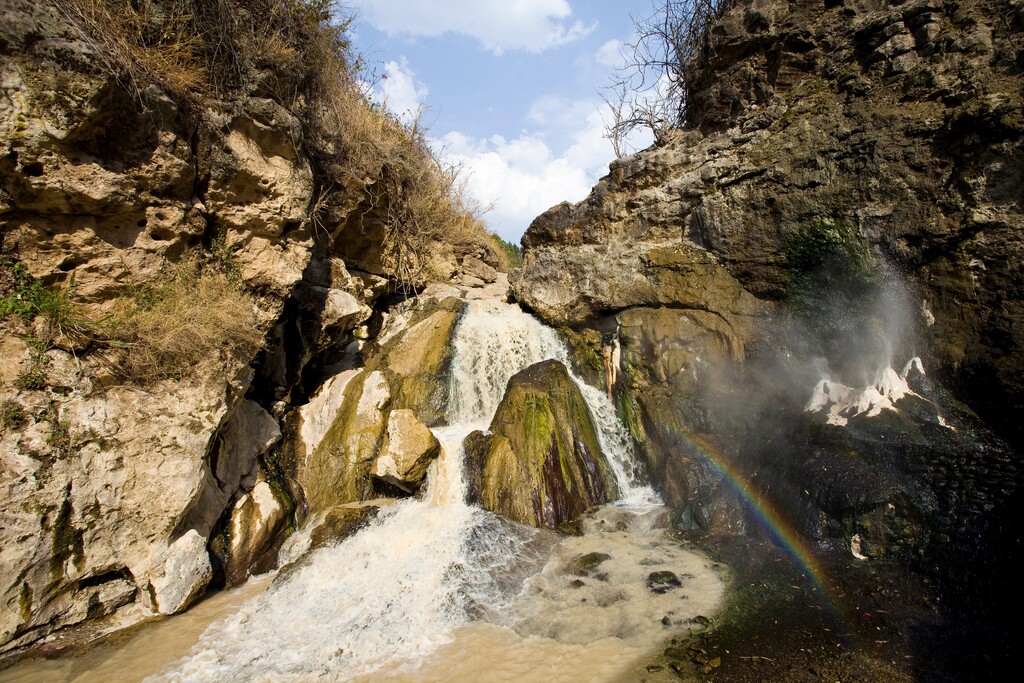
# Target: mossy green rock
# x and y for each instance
(338, 470)
(418, 361)
(543, 464)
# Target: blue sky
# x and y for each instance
(510, 89)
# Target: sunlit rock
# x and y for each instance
(407, 451)
(180, 574)
(255, 524)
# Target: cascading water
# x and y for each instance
(495, 341)
(433, 589)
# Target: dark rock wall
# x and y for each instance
(848, 186)
(900, 120)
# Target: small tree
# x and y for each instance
(652, 88)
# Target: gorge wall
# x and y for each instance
(847, 188)
(182, 266)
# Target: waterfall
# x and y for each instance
(496, 340)
(400, 586)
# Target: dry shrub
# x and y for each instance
(297, 53)
(167, 328)
(145, 42)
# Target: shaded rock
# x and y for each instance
(247, 434)
(476, 447)
(544, 464)
(474, 267)
(340, 522)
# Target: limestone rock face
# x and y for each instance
(180, 574)
(111, 492)
(338, 469)
(256, 522)
(418, 360)
(370, 423)
(408, 449)
(92, 497)
(543, 464)
(317, 416)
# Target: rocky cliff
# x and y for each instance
(188, 251)
(900, 121)
(845, 197)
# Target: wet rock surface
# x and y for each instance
(899, 119)
(841, 188)
(542, 464)
(877, 623)
(662, 581)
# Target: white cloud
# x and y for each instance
(553, 111)
(399, 90)
(523, 177)
(610, 54)
(499, 25)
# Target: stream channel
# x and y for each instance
(434, 589)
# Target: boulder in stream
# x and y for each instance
(409, 448)
(542, 464)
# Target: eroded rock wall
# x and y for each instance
(901, 119)
(128, 496)
(847, 186)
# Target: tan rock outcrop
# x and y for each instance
(93, 493)
(408, 449)
(255, 526)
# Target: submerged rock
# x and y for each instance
(585, 564)
(543, 464)
(663, 581)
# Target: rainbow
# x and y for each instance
(783, 532)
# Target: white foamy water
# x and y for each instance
(573, 626)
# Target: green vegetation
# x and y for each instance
(60, 434)
(835, 285)
(28, 299)
(831, 248)
(12, 415)
(33, 377)
(513, 252)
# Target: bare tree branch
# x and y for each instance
(651, 90)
